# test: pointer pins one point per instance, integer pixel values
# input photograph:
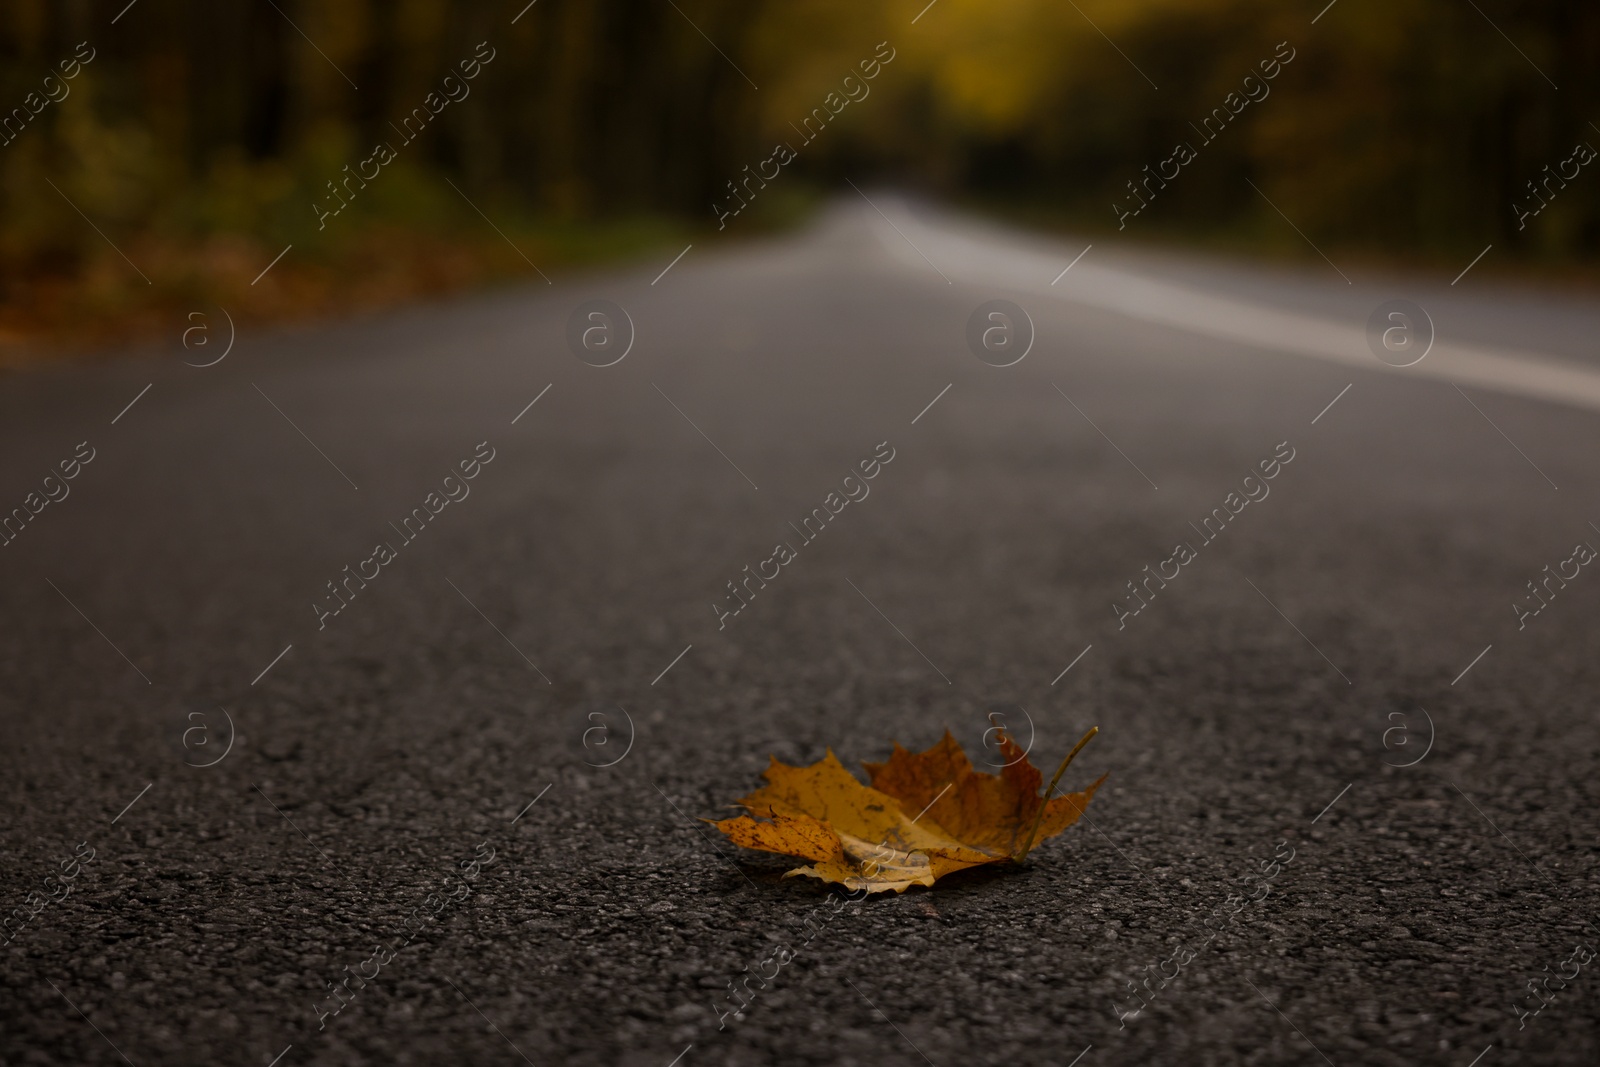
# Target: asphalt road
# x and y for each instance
(256, 797)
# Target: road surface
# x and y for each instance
(1352, 806)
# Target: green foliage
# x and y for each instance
(206, 133)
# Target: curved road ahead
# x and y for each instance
(1352, 806)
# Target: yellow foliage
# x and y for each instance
(863, 837)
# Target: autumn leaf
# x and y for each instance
(924, 816)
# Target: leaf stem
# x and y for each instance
(1027, 846)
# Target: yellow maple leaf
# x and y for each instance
(866, 837)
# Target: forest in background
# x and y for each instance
(193, 141)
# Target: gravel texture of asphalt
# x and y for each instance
(1351, 813)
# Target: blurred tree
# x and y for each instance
(202, 134)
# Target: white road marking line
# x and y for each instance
(988, 255)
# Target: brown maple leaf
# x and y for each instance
(866, 837)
